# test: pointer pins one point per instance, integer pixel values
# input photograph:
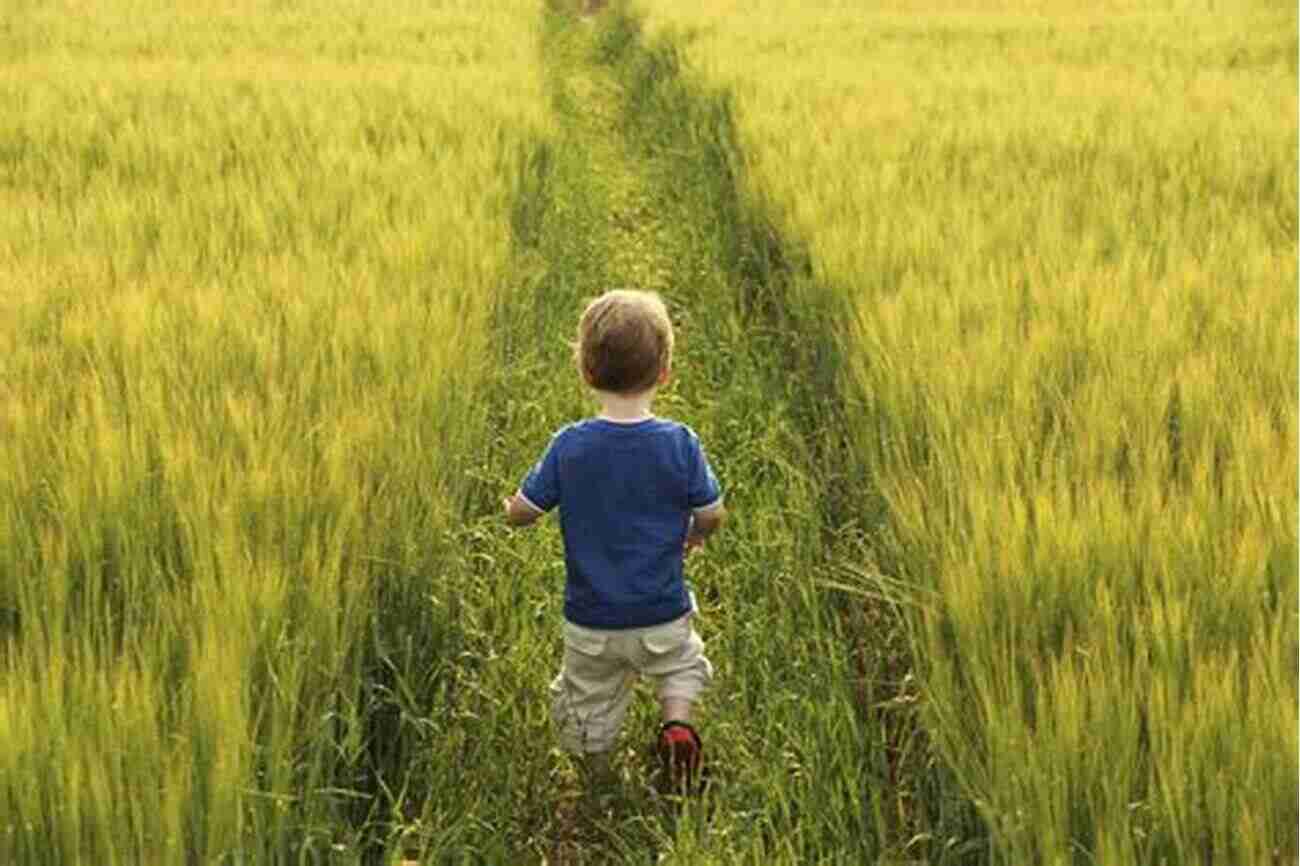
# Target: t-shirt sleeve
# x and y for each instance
(703, 490)
(541, 486)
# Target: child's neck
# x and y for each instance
(626, 407)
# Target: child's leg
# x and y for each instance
(590, 697)
(675, 709)
(673, 654)
(595, 770)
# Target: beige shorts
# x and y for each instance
(591, 695)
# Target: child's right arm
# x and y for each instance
(539, 492)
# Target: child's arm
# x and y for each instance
(519, 511)
(705, 494)
(704, 523)
(540, 490)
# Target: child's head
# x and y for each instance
(625, 342)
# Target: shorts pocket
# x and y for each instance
(668, 637)
(583, 640)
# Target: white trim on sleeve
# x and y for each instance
(530, 503)
(712, 506)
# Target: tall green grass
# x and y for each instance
(1069, 233)
(283, 299)
(249, 256)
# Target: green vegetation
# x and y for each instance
(249, 255)
(1069, 233)
(639, 192)
(986, 318)
(291, 316)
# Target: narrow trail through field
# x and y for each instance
(640, 190)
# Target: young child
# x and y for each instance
(636, 494)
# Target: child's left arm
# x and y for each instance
(519, 511)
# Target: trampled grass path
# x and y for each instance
(808, 725)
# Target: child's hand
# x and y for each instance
(702, 525)
(518, 511)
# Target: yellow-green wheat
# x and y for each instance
(1069, 233)
(247, 257)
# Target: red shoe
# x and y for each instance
(681, 753)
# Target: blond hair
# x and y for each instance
(625, 341)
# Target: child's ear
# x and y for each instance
(665, 374)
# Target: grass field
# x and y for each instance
(249, 254)
(1069, 233)
(986, 317)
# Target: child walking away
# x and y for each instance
(635, 494)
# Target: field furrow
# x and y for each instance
(639, 191)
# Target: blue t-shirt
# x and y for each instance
(626, 493)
